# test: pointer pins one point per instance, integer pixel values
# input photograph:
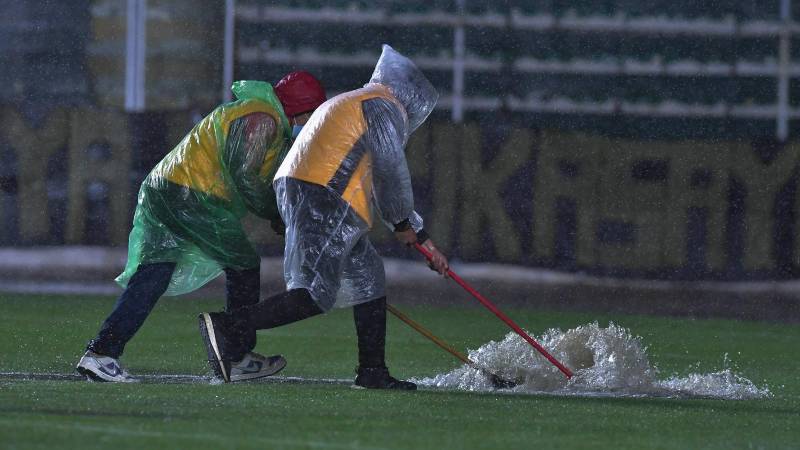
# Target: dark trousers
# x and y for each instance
(144, 289)
(240, 325)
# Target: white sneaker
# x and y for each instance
(103, 368)
(254, 365)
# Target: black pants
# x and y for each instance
(144, 289)
(240, 325)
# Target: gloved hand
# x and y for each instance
(404, 233)
(407, 237)
(278, 226)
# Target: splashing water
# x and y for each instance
(605, 361)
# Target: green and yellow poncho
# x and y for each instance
(190, 205)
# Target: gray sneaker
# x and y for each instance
(254, 365)
(251, 366)
(103, 368)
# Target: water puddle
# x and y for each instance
(605, 362)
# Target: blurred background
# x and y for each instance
(617, 138)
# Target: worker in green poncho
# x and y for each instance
(187, 229)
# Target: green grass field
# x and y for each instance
(46, 334)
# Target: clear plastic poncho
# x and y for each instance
(190, 205)
(348, 160)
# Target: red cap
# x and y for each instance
(299, 92)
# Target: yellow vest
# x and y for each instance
(335, 128)
(196, 161)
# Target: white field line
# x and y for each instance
(277, 379)
(169, 379)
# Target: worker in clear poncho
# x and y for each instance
(347, 163)
(187, 228)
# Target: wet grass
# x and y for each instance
(47, 334)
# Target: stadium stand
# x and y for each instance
(642, 59)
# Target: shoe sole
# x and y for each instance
(386, 388)
(91, 375)
(359, 387)
(210, 338)
(363, 388)
(252, 376)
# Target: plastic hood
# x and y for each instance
(407, 83)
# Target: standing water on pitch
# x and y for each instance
(605, 361)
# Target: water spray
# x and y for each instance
(489, 305)
(497, 382)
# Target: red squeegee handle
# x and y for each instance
(489, 305)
